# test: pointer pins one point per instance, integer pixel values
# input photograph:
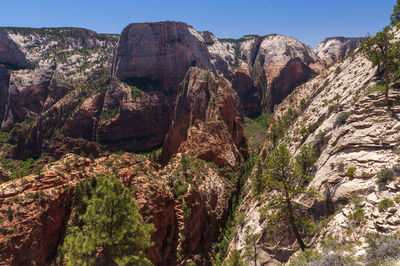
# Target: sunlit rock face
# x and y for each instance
(335, 49)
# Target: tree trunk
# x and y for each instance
(293, 225)
(255, 254)
(386, 67)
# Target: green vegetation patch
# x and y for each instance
(108, 114)
(256, 129)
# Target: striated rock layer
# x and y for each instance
(355, 137)
(85, 85)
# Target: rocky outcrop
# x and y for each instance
(152, 59)
(67, 66)
(159, 53)
(35, 209)
(4, 81)
(258, 67)
(81, 85)
(335, 49)
(354, 136)
(208, 121)
(10, 54)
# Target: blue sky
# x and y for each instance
(310, 21)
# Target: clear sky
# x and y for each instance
(310, 21)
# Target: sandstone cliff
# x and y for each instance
(355, 138)
(334, 49)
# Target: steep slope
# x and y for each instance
(67, 66)
(334, 49)
(259, 67)
(70, 86)
(151, 61)
(355, 136)
(188, 200)
(159, 84)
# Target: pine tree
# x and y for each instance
(288, 179)
(258, 184)
(234, 259)
(395, 17)
(112, 230)
(251, 247)
(383, 53)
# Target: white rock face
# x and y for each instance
(59, 58)
(336, 48)
(354, 129)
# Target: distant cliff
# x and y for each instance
(334, 49)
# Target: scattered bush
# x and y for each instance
(136, 92)
(9, 214)
(383, 177)
(382, 248)
(108, 114)
(378, 87)
(342, 118)
(338, 70)
(385, 204)
(307, 257)
(351, 172)
(4, 136)
(357, 217)
(340, 167)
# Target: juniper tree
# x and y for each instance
(251, 247)
(395, 17)
(288, 179)
(234, 259)
(111, 231)
(384, 53)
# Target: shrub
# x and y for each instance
(108, 114)
(378, 87)
(340, 167)
(383, 177)
(385, 204)
(351, 172)
(4, 136)
(382, 248)
(9, 214)
(338, 70)
(306, 258)
(342, 118)
(326, 83)
(303, 103)
(136, 92)
(357, 217)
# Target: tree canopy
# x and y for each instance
(395, 17)
(288, 179)
(384, 53)
(111, 231)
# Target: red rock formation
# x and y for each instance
(207, 122)
(83, 123)
(39, 207)
(293, 74)
(151, 61)
(159, 53)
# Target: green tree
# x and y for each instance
(395, 17)
(305, 161)
(234, 259)
(288, 179)
(258, 184)
(112, 231)
(251, 247)
(383, 53)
